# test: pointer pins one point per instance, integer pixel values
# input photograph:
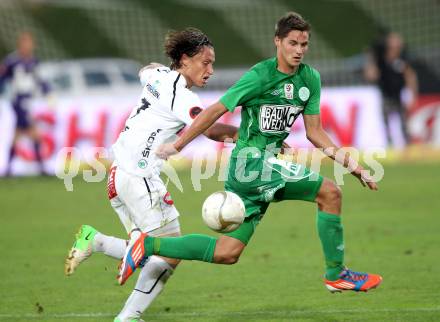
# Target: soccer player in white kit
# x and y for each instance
(135, 190)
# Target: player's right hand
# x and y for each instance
(365, 179)
(166, 150)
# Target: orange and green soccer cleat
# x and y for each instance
(134, 257)
(353, 281)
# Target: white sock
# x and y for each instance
(109, 245)
(150, 283)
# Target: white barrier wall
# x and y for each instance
(424, 120)
(351, 115)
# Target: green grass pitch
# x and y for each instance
(394, 232)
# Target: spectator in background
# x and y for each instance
(388, 66)
(18, 72)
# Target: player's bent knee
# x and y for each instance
(173, 262)
(232, 260)
(335, 192)
(227, 259)
(329, 194)
(228, 250)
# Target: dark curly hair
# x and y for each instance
(291, 21)
(188, 41)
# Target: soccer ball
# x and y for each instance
(223, 211)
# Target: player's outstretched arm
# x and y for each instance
(203, 121)
(221, 132)
(320, 139)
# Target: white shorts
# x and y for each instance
(142, 203)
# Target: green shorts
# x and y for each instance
(259, 182)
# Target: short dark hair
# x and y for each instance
(188, 41)
(291, 21)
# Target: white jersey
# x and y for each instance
(164, 108)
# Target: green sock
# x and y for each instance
(191, 247)
(330, 232)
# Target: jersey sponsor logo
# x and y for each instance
(288, 91)
(152, 89)
(149, 144)
(194, 111)
(278, 118)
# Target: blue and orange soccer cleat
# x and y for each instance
(353, 281)
(133, 258)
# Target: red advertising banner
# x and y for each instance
(351, 115)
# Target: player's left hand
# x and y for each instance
(166, 150)
(365, 179)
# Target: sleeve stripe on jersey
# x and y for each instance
(174, 91)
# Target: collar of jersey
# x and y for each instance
(182, 80)
(284, 74)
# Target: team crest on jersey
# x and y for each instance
(142, 163)
(194, 111)
(304, 93)
(288, 91)
(278, 118)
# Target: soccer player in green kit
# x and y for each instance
(272, 94)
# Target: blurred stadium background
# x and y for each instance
(91, 51)
(242, 31)
(74, 37)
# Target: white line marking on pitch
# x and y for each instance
(219, 314)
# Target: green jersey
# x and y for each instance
(271, 102)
